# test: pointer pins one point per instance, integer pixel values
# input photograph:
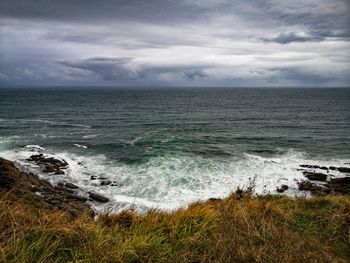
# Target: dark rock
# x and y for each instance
(77, 197)
(214, 200)
(305, 185)
(27, 186)
(41, 160)
(59, 171)
(114, 184)
(70, 185)
(63, 188)
(320, 191)
(49, 169)
(98, 197)
(106, 182)
(282, 188)
(315, 189)
(324, 168)
(340, 185)
(93, 177)
(332, 168)
(315, 176)
(310, 166)
(344, 169)
(343, 180)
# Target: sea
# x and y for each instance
(168, 147)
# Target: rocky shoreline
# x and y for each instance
(40, 192)
(325, 183)
(319, 181)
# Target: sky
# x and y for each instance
(241, 43)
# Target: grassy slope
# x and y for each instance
(261, 229)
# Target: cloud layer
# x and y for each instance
(175, 43)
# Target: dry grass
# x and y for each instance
(239, 228)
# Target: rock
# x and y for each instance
(214, 200)
(332, 168)
(77, 197)
(27, 186)
(98, 197)
(59, 171)
(41, 160)
(71, 186)
(93, 177)
(323, 168)
(282, 188)
(343, 180)
(344, 169)
(106, 182)
(49, 169)
(305, 185)
(310, 166)
(63, 188)
(340, 185)
(315, 176)
(315, 189)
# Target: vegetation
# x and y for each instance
(240, 228)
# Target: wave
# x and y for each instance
(90, 136)
(139, 138)
(53, 123)
(170, 181)
(80, 146)
(35, 147)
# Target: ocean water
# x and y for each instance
(167, 147)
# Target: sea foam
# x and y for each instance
(174, 180)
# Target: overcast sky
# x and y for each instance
(175, 43)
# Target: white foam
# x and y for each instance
(54, 123)
(35, 147)
(132, 142)
(172, 181)
(80, 146)
(90, 136)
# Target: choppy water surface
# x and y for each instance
(168, 147)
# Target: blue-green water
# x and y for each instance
(167, 147)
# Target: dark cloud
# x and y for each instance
(166, 42)
(99, 11)
(105, 69)
(286, 38)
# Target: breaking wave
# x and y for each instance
(170, 181)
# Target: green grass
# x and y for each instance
(236, 229)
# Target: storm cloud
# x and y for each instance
(175, 43)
